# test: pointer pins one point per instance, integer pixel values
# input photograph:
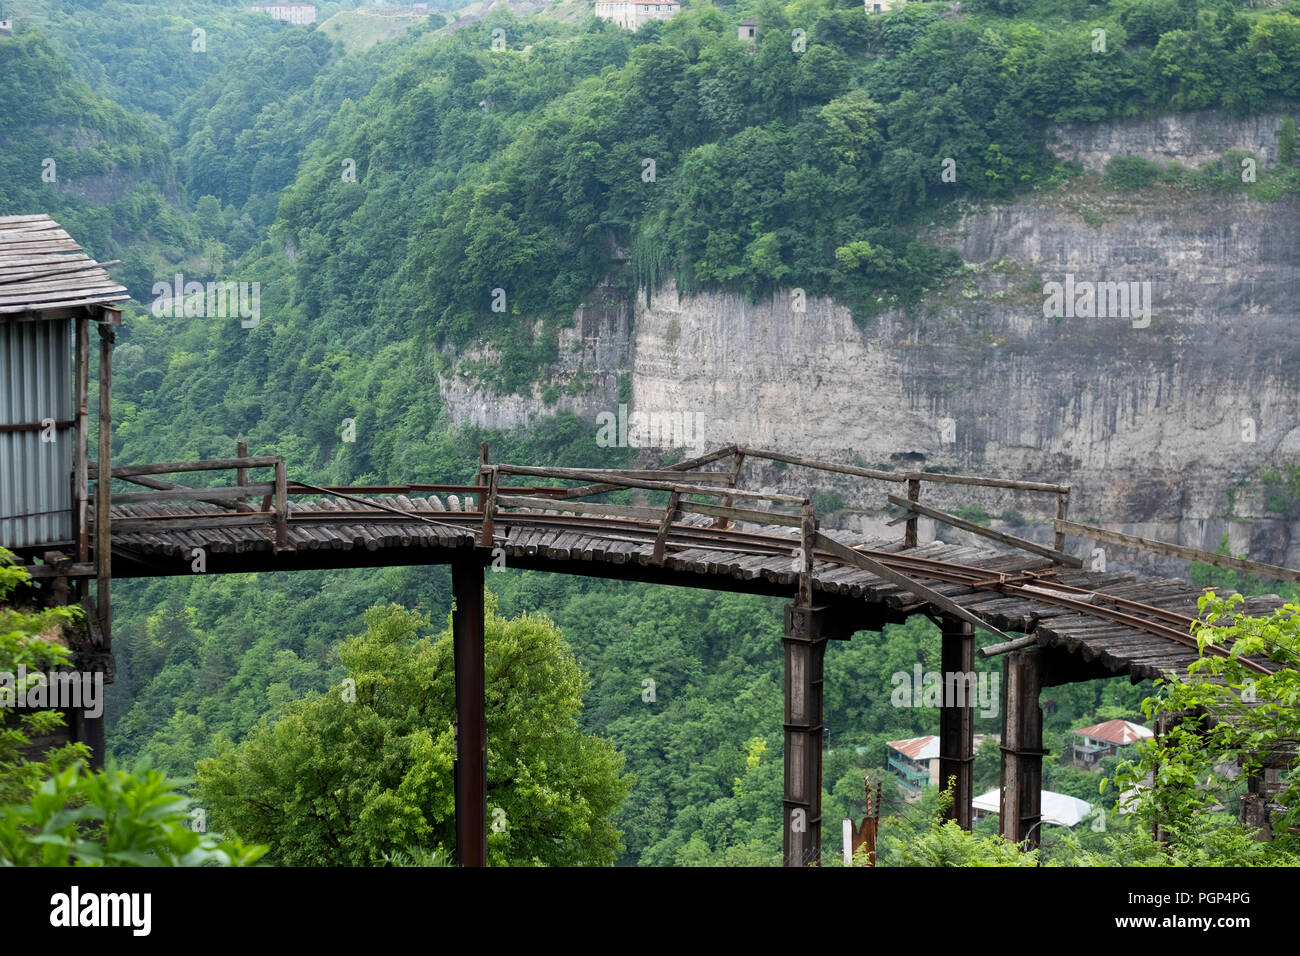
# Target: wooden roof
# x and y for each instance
(44, 271)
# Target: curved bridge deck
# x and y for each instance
(1114, 618)
(1073, 624)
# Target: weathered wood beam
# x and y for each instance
(844, 552)
(1177, 551)
(468, 653)
(707, 458)
(191, 523)
(1060, 557)
(1020, 808)
(804, 643)
(822, 465)
(741, 514)
(913, 495)
(210, 464)
(581, 507)
(661, 538)
(103, 488)
(583, 474)
(1062, 513)
(179, 493)
(81, 497)
(987, 482)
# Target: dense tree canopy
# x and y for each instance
(365, 771)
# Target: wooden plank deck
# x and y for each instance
(433, 529)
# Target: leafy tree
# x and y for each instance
(29, 639)
(1222, 713)
(366, 771)
(53, 811)
(111, 818)
(944, 843)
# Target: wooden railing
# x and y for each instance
(682, 481)
(913, 509)
(680, 493)
(275, 494)
(681, 485)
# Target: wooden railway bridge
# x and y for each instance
(695, 525)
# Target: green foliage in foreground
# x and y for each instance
(365, 773)
(54, 812)
(22, 645)
(1223, 714)
(111, 817)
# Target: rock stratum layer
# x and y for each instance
(1182, 427)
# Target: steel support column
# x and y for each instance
(1022, 748)
(471, 713)
(805, 648)
(957, 717)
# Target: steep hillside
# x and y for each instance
(1179, 425)
(457, 243)
(99, 170)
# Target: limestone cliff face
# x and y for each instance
(1163, 422)
(592, 353)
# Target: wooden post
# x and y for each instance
(91, 730)
(957, 718)
(1022, 748)
(661, 539)
(241, 474)
(805, 648)
(81, 496)
(471, 713)
(103, 487)
(489, 508)
(482, 461)
(808, 543)
(909, 531)
(737, 459)
(1062, 513)
(281, 506)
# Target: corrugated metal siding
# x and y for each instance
(35, 477)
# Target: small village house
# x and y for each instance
(1105, 740)
(632, 16)
(916, 761)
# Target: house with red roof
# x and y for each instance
(1105, 740)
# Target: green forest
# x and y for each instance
(379, 197)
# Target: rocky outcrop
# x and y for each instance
(1166, 422)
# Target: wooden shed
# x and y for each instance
(51, 292)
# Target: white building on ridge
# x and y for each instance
(288, 12)
(630, 16)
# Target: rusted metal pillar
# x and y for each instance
(1022, 748)
(1255, 815)
(471, 713)
(805, 648)
(957, 717)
